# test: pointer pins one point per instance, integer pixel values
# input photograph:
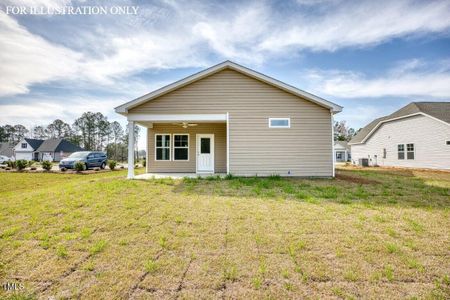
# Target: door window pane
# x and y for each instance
(205, 145)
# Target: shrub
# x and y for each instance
(46, 165)
(79, 166)
(229, 176)
(21, 164)
(11, 164)
(30, 163)
(112, 164)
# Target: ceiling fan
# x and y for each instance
(185, 124)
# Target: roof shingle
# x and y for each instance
(438, 110)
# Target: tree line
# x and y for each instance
(91, 131)
(342, 132)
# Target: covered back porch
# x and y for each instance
(184, 144)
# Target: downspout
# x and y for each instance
(332, 143)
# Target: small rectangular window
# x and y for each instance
(448, 142)
(162, 146)
(401, 151)
(384, 153)
(24, 145)
(180, 147)
(410, 151)
(279, 122)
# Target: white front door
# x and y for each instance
(205, 153)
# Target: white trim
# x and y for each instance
(170, 147)
(277, 119)
(173, 146)
(332, 144)
(406, 151)
(177, 117)
(228, 143)
(123, 109)
(211, 136)
(395, 119)
(130, 150)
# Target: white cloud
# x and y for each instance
(359, 23)
(27, 58)
(167, 35)
(409, 78)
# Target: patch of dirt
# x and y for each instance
(353, 179)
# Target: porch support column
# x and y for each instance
(130, 150)
(228, 143)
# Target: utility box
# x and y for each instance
(364, 162)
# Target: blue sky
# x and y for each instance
(372, 57)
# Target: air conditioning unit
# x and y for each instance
(363, 162)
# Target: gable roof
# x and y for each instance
(34, 143)
(342, 144)
(123, 109)
(6, 149)
(58, 144)
(437, 110)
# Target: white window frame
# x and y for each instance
(277, 119)
(406, 151)
(173, 147)
(22, 146)
(170, 147)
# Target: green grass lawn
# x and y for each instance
(373, 233)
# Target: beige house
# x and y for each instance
(231, 119)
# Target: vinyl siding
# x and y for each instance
(428, 136)
(220, 148)
(305, 149)
(24, 155)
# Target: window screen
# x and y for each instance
(181, 147)
(162, 147)
(279, 122)
(401, 151)
(410, 151)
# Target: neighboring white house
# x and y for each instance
(27, 149)
(53, 149)
(342, 151)
(417, 136)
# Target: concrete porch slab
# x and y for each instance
(176, 175)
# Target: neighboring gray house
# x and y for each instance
(417, 136)
(53, 149)
(6, 150)
(342, 151)
(231, 119)
(56, 149)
